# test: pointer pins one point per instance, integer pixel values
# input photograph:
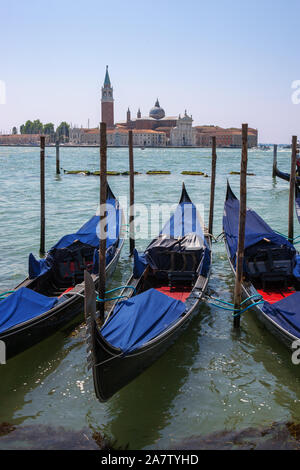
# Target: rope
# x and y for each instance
(237, 311)
(108, 360)
(2, 296)
(285, 236)
(220, 237)
(121, 287)
(112, 298)
(118, 297)
(247, 308)
(207, 234)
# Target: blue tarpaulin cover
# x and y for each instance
(256, 228)
(24, 304)
(205, 263)
(184, 220)
(296, 271)
(286, 313)
(139, 264)
(88, 234)
(297, 200)
(37, 267)
(137, 320)
(108, 257)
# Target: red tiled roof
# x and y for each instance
(119, 130)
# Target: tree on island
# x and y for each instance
(14, 130)
(35, 127)
(49, 129)
(62, 132)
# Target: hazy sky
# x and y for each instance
(225, 61)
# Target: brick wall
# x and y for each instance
(107, 113)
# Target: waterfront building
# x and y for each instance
(183, 134)
(118, 137)
(22, 139)
(156, 119)
(231, 137)
(107, 102)
(156, 128)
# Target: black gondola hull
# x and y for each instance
(286, 176)
(23, 336)
(119, 371)
(112, 370)
(276, 330)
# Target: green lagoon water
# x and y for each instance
(213, 378)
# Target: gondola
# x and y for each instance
(52, 295)
(286, 177)
(168, 282)
(271, 271)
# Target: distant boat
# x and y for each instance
(264, 147)
(286, 177)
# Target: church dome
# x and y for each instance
(157, 112)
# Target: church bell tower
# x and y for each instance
(107, 102)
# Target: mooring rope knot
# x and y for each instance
(118, 297)
(235, 311)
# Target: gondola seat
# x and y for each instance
(180, 267)
(180, 277)
(269, 263)
(177, 260)
(69, 264)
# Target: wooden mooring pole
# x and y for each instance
(242, 224)
(292, 189)
(274, 161)
(57, 158)
(212, 186)
(42, 192)
(131, 202)
(103, 234)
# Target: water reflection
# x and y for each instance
(28, 370)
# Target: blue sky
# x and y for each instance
(226, 61)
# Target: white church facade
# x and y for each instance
(183, 134)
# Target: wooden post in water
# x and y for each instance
(292, 189)
(42, 191)
(131, 202)
(103, 234)
(242, 223)
(57, 158)
(212, 186)
(274, 161)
